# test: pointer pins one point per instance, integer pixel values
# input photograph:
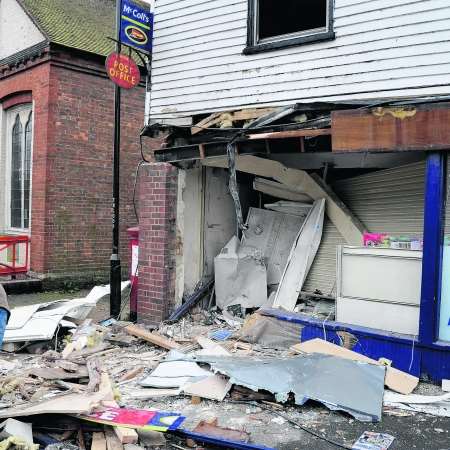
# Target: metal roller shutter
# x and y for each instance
(387, 201)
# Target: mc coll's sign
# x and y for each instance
(136, 27)
(122, 70)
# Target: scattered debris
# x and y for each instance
(373, 441)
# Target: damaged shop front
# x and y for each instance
(327, 220)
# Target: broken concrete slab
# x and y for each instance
(301, 258)
(339, 384)
(151, 438)
(240, 276)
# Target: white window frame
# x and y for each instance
(9, 117)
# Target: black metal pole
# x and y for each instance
(116, 269)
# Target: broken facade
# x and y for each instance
(332, 114)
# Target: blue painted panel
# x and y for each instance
(444, 316)
(436, 365)
(432, 246)
(405, 356)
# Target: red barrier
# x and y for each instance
(11, 254)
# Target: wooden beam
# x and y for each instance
(292, 134)
(344, 220)
(153, 338)
(278, 190)
(392, 129)
(98, 441)
(230, 116)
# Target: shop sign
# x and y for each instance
(136, 27)
(122, 70)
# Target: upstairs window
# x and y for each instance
(274, 24)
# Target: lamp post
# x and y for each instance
(116, 268)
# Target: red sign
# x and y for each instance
(123, 70)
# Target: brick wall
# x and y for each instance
(79, 174)
(157, 223)
(72, 163)
(35, 79)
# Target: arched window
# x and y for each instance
(27, 171)
(16, 174)
(20, 131)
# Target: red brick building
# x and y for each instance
(56, 134)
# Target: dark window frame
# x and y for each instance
(297, 39)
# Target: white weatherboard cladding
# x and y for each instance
(17, 31)
(382, 48)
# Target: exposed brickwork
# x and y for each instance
(157, 223)
(72, 162)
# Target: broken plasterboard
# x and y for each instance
(240, 276)
(438, 406)
(13, 427)
(273, 233)
(42, 324)
(395, 379)
(174, 374)
(214, 387)
(20, 316)
(339, 384)
(301, 258)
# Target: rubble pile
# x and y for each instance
(195, 383)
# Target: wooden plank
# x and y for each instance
(392, 129)
(279, 190)
(153, 338)
(98, 441)
(292, 134)
(227, 117)
(112, 441)
(395, 379)
(344, 220)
